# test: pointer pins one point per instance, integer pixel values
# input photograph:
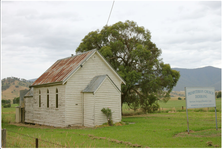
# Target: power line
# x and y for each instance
(110, 12)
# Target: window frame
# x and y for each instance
(47, 98)
(57, 98)
(39, 98)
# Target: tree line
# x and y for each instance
(7, 103)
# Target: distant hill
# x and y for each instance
(11, 87)
(200, 77)
(33, 80)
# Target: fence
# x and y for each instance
(19, 140)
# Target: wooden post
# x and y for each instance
(182, 107)
(4, 138)
(36, 143)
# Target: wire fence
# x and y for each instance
(20, 140)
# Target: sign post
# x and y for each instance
(200, 97)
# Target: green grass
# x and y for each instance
(177, 104)
(156, 130)
(8, 114)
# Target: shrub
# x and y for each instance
(108, 113)
(219, 94)
(150, 108)
(7, 105)
(179, 98)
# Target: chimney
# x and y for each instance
(71, 55)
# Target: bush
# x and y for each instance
(7, 105)
(108, 113)
(6, 101)
(146, 107)
(219, 94)
(179, 98)
(16, 100)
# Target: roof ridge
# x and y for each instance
(76, 55)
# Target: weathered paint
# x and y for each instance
(71, 100)
(107, 96)
(51, 116)
(93, 67)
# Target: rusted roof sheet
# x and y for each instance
(62, 69)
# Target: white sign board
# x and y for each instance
(200, 97)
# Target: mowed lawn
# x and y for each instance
(156, 130)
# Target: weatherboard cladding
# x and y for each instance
(62, 68)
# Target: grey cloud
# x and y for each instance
(211, 4)
(36, 34)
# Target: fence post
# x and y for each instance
(4, 137)
(36, 143)
(182, 107)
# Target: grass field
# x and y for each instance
(177, 104)
(156, 130)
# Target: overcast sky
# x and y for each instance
(36, 34)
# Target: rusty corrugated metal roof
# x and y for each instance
(62, 69)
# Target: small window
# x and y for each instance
(39, 98)
(57, 100)
(47, 98)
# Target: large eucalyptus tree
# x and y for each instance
(130, 51)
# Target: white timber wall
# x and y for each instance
(76, 83)
(107, 96)
(28, 109)
(89, 110)
(44, 115)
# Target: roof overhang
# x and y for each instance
(47, 84)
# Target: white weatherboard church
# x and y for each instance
(73, 91)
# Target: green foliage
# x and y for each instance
(219, 94)
(16, 100)
(129, 50)
(149, 107)
(108, 113)
(6, 101)
(179, 98)
(7, 105)
(134, 102)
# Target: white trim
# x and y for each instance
(111, 82)
(77, 68)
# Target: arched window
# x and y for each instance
(57, 98)
(39, 98)
(47, 98)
